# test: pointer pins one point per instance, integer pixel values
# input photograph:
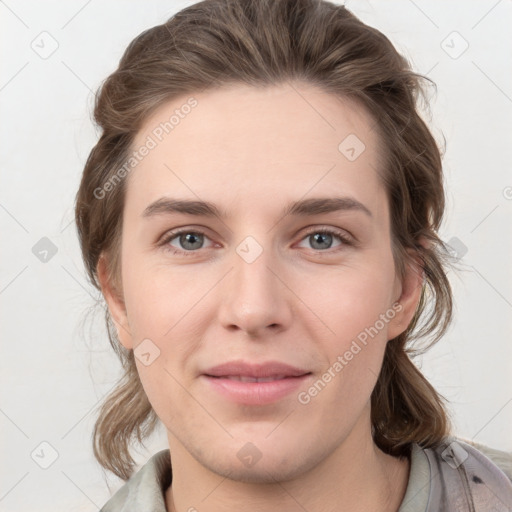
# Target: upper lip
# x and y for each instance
(261, 370)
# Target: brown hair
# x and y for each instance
(263, 43)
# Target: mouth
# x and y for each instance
(246, 378)
(257, 391)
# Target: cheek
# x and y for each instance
(165, 308)
(162, 387)
(156, 301)
(349, 300)
(356, 307)
(353, 346)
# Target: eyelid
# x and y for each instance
(342, 234)
(174, 233)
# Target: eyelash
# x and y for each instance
(346, 241)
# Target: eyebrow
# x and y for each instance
(302, 208)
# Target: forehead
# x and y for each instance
(256, 142)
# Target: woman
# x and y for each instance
(237, 138)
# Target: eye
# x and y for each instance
(322, 238)
(189, 241)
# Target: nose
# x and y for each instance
(254, 297)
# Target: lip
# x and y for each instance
(260, 370)
(286, 380)
(255, 393)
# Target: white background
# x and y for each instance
(56, 362)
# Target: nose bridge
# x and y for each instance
(253, 297)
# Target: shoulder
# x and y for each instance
(145, 490)
(469, 476)
(501, 458)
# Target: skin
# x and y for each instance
(250, 151)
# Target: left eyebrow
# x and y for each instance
(302, 208)
(314, 206)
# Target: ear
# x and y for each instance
(115, 303)
(407, 295)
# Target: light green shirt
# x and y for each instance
(456, 477)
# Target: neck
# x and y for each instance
(355, 477)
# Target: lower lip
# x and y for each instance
(255, 393)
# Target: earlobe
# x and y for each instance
(115, 303)
(410, 289)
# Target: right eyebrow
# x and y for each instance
(166, 205)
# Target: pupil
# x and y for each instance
(320, 237)
(190, 238)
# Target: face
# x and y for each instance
(312, 286)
